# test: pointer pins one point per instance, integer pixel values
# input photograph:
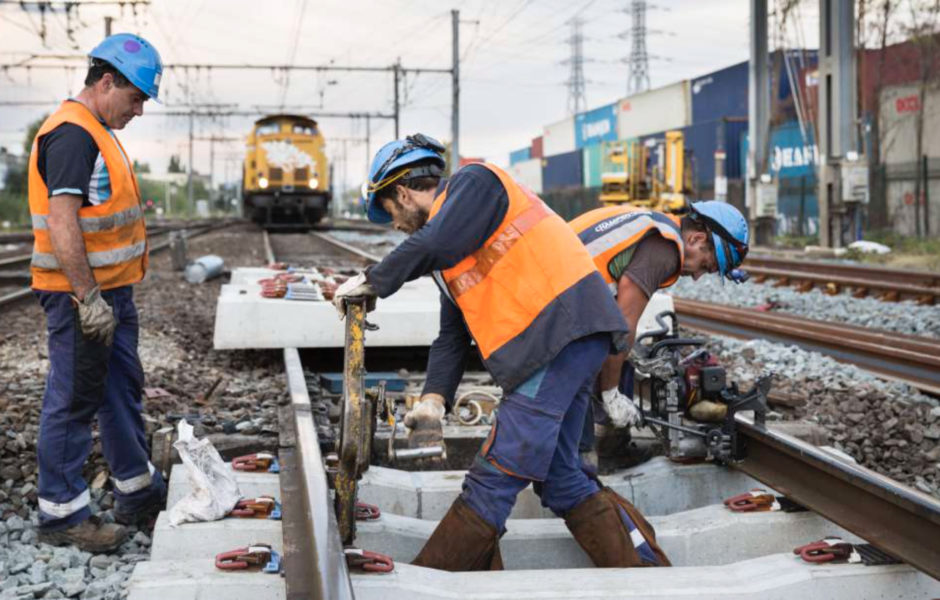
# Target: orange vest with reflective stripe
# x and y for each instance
(609, 231)
(529, 290)
(114, 231)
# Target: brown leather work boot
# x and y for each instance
(462, 541)
(597, 526)
(91, 535)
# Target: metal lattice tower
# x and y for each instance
(576, 83)
(638, 78)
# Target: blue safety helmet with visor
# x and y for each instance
(391, 164)
(729, 235)
(135, 58)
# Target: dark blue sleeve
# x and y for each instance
(448, 356)
(66, 160)
(476, 204)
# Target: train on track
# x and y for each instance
(286, 175)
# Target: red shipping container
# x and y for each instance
(537, 147)
(464, 161)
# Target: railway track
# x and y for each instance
(903, 522)
(909, 359)
(14, 270)
(862, 280)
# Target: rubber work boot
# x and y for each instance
(462, 541)
(599, 528)
(91, 535)
(143, 515)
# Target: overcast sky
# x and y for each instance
(513, 77)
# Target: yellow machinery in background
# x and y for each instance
(629, 177)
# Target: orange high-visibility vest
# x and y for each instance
(114, 231)
(529, 290)
(607, 232)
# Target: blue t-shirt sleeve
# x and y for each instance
(448, 355)
(66, 160)
(476, 204)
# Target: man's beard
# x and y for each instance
(415, 220)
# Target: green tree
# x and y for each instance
(141, 167)
(174, 166)
(13, 200)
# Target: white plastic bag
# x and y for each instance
(215, 491)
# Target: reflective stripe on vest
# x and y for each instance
(96, 224)
(96, 260)
(610, 231)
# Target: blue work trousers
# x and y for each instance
(535, 437)
(88, 379)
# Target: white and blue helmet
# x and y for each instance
(391, 164)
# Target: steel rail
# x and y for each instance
(325, 576)
(901, 276)
(912, 360)
(897, 519)
(924, 293)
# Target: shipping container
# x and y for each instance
(537, 148)
(656, 110)
(528, 173)
(900, 107)
(558, 138)
(562, 171)
(592, 162)
(596, 126)
(517, 156)
(793, 151)
(720, 94)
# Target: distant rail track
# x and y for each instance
(861, 280)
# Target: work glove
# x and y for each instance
(425, 422)
(96, 317)
(351, 288)
(621, 409)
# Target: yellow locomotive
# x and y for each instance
(286, 177)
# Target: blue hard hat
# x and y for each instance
(729, 232)
(389, 165)
(135, 58)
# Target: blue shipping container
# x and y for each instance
(720, 94)
(792, 155)
(596, 126)
(521, 155)
(562, 171)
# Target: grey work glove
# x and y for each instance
(351, 288)
(96, 317)
(425, 422)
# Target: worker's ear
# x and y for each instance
(696, 238)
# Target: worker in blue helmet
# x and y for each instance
(639, 251)
(520, 289)
(90, 248)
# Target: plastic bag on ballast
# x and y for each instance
(214, 489)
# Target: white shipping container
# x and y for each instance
(558, 138)
(528, 173)
(668, 107)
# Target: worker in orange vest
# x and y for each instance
(516, 281)
(639, 251)
(90, 247)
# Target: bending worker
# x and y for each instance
(90, 248)
(638, 251)
(515, 279)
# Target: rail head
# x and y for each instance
(327, 573)
(901, 521)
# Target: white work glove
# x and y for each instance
(96, 317)
(425, 422)
(352, 287)
(621, 409)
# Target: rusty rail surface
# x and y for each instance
(897, 519)
(912, 360)
(893, 284)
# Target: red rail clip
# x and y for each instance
(822, 551)
(253, 462)
(254, 508)
(250, 557)
(755, 500)
(369, 561)
(367, 512)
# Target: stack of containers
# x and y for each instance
(561, 165)
(662, 109)
(592, 129)
(517, 156)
